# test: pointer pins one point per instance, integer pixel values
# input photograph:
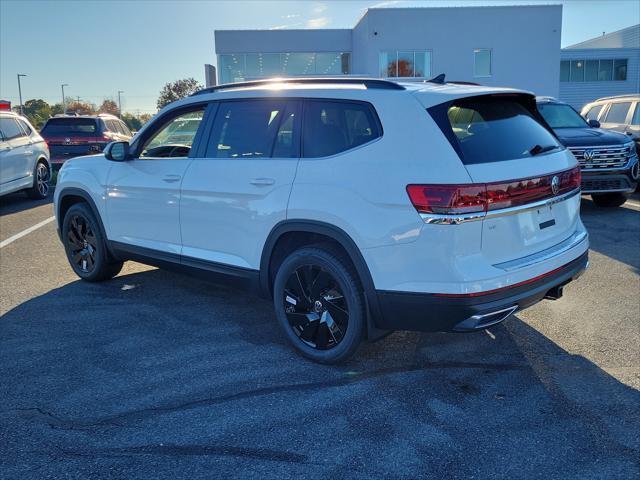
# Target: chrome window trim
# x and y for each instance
(456, 219)
(573, 241)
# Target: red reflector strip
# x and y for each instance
(496, 290)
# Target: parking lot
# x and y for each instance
(155, 375)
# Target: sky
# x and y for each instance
(99, 47)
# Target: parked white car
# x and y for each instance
(358, 205)
(24, 157)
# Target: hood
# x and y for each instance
(589, 137)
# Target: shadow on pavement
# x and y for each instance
(155, 374)
(614, 232)
(19, 202)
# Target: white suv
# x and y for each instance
(24, 157)
(359, 206)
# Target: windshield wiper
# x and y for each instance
(538, 149)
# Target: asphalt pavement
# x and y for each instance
(158, 375)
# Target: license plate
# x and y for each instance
(545, 217)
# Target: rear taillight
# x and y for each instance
(484, 197)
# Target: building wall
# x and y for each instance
(578, 94)
(626, 38)
(525, 42)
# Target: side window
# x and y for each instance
(112, 125)
(175, 137)
(618, 112)
(25, 126)
(251, 129)
(636, 116)
(593, 112)
(124, 129)
(10, 129)
(331, 127)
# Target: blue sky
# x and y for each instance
(100, 47)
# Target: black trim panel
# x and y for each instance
(429, 313)
(245, 278)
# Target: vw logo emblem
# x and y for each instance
(555, 184)
(588, 155)
(67, 140)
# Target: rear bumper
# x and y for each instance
(432, 313)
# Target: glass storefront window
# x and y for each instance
(406, 64)
(247, 66)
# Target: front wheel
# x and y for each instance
(609, 199)
(86, 247)
(319, 304)
(41, 181)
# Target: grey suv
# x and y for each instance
(620, 113)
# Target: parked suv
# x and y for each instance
(359, 206)
(71, 136)
(24, 157)
(620, 113)
(608, 160)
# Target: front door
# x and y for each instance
(143, 194)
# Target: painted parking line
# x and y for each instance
(27, 231)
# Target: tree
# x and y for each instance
(132, 122)
(173, 91)
(37, 111)
(81, 108)
(109, 106)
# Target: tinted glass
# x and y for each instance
(561, 116)
(70, 126)
(636, 116)
(577, 71)
(618, 112)
(125, 129)
(10, 129)
(564, 70)
(591, 70)
(620, 69)
(246, 129)
(27, 129)
(334, 127)
(593, 112)
(605, 72)
(286, 145)
(482, 62)
(175, 137)
(493, 130)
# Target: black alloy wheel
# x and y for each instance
(319, 303)
(41, 182)
(315, 307)
(82, 244)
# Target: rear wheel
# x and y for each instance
(319, 304)
(609, 199)
(86, 247)
(41, 180)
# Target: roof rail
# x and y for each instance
(613, 97)
(369, 83)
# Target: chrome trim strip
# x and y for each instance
(573, 241)
(440, 219)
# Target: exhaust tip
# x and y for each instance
(484, 320)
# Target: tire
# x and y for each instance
(41, 181)
(609, 200)
(85, 245)
(319, 304)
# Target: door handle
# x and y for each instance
(171, 178)
(262, 182)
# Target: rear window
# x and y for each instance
(493, 129)
(70, 126)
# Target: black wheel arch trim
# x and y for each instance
(77, 192)
(374, 312)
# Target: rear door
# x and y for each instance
(15, 151)
(502, 144)
(238, 190)
(617, 116)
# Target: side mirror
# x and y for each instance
(593, 123)
(117, 151)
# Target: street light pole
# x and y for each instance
(120, 104)
(20, 93)
(64, 106)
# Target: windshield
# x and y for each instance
(494, 129)
(561, 116)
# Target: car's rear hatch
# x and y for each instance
(529, 183)
(72, 137)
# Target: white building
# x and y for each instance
(600, 67)
(516, 46)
